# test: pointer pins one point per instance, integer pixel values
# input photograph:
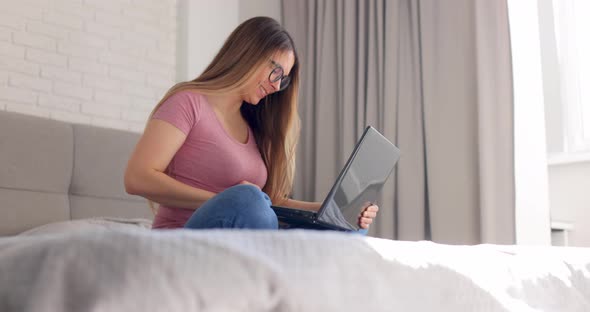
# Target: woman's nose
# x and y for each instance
(276, 85)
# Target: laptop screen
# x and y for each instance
(361, 180)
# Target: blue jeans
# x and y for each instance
(242, 206)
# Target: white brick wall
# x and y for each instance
(98, 62)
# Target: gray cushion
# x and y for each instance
(36, 153)
(100, 159)
(23, 210)
(88, 207)
(54, 171)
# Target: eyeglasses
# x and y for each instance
(278, 73)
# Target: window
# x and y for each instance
(573, 52)
(568, 20)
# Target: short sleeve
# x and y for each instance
(181, 110)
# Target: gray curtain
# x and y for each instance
(435, 78)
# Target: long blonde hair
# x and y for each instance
(275, 120)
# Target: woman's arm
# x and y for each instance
(145, 170)
(304, 205)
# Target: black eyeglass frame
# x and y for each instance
(280, 75)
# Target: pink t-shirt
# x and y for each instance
(210, 158)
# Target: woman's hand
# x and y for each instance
(367, 215)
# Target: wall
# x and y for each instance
(530, 157)
(100, 62)
(204, 25)
(108, 62)
(251, 8)
(570, 199)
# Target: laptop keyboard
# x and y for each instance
(294, 212)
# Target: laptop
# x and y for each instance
(358, 185)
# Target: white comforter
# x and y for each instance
(142, 270)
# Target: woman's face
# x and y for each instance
(261, 85)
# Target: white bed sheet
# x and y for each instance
(134, 269)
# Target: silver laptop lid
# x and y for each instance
(360, 181)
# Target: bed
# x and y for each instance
(72, 240)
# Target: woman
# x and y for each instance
(219, 149)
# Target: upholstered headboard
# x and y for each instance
(55, 171)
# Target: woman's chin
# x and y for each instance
(253, 100)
